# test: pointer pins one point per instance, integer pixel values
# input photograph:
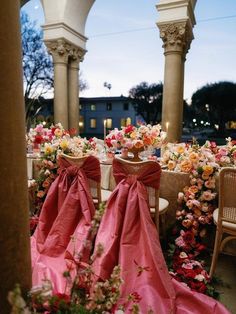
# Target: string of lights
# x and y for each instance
(217, 18)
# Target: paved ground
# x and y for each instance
(226, 272)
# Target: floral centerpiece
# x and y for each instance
(54, 141)
(136, 139)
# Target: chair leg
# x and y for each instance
(215, 252)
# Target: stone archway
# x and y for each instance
(64, 37)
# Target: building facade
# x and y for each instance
(98, 115)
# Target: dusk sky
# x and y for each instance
(124, 47)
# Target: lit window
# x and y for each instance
(125, 121)
(93, 107)
(80, 106)
(109, 123)
(126, 106)
(109, 106)
(122, 122)
(81, 124)
(93, 123)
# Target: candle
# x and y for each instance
(105, 129)
(167, 126)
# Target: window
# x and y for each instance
(109, 106)
(122, 122)
(81, 124)
(93, 123)
(126, 106)
(109, 123)
(80, 106)
(93, 107)
(125, 121)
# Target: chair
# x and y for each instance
(158, 206)
(95, 187)
(225, 215)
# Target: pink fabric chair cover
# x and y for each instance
(130, 239)
(67, 212)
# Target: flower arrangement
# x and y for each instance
(54, 141)
(196, 204)
(131, 136)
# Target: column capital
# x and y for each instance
(176, 36)
(76, 53)
(59, 50)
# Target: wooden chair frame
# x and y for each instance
(226, 222)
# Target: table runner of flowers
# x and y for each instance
(196, 202)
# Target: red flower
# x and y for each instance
(72, 131)
(190, 273)
(188, 237)
(38, 139)
(129, 129)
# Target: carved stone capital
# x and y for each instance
(176, 36)
(63, 51)
(76, 53)
(59, 49)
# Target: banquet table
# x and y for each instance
(170, 185)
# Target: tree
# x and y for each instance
(147, 101)
(37, 65)
(216, 103)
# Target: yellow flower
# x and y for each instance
(48, 149)
(133, 135)
(208, 170)
(64, 144)
(180, 149)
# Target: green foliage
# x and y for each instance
(216, 103)
(147, 101)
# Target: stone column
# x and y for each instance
(176, 37)
(76, 56)
(59, 50)
(15, 266)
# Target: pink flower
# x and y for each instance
(39, 128)
(207, 196)
(223, 152)
(179, 242)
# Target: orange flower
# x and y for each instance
(197, 211)
(138, 144)
(171, 164)
(193, 189)
(186, 166)
(147, 141)
(40, 194)
(193, 157)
